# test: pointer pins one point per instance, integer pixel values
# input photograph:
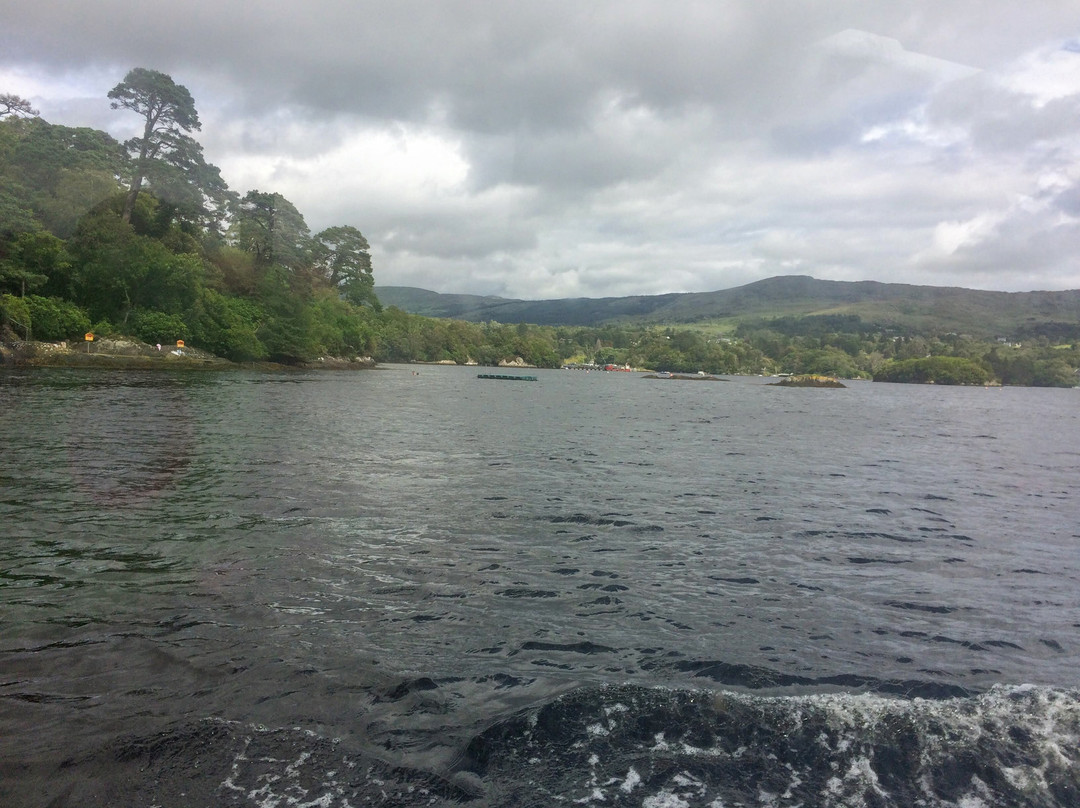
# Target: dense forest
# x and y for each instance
(145, 239)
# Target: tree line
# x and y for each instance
(144, 238)
(847, 346)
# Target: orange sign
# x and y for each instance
(179, 343)
(89, 337)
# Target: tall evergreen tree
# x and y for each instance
(11, 104)
(270, 226)
(168, 113)
(344, 258)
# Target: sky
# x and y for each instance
(616, 147)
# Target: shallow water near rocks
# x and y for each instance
(389, 588)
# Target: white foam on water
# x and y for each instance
(633, 779)
(665, 799)
(597, 795)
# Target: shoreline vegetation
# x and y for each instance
(131, 354)
(143, 243)
(128, 353)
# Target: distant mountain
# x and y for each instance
(919, 309)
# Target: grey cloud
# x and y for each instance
(999, 119)
(456, 236)
(640, 143)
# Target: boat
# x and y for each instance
(506, 377)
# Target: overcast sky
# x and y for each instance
(611, 147)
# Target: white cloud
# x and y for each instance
(952, 236)
(1046, 74)
(617, 147)
(396, 164)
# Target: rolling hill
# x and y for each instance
(904, 307)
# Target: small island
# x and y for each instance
(686, 377)
(809, 380)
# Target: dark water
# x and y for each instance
(381, 588)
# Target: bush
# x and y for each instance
(15, 313)
(226, 326)
(55, 319)
(103, 328)
(157, 326)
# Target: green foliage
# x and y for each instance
(934, 370)
(168, 113)
(33, 258)
(155, 263)
(157, 326)
(15, 315)
(342, 329)
(232, 270)
(826, 361)
(54, 319)
(343, 257)
(119, 270)
(227, 326)
(287, 330)
(1031, 367)
(51, 175)
(43, 318)
(103, 328)
(271, 228)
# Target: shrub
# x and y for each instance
(227, 326)
(14, 312)
(55, 319)
(157, 326)
(103, 328)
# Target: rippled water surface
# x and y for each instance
(426, 579)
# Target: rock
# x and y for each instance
(516, 362)
(809, 380)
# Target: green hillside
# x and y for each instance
(901, 307)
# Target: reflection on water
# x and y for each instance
(129, 443)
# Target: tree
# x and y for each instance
(11, 104)
(934, 370)
(54, 173)
(168, 113)
(34, 257)
(120, 270)
(270, 226)
(343, 258)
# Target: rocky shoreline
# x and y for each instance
(809, 380)
(123, 353)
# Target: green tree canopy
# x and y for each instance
(11, 104)
(50, 175)
(269, 226)
(168, 113)
(343, 256)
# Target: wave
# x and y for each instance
(626, 745)
(1011, 746)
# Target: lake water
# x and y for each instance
(410, 586)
